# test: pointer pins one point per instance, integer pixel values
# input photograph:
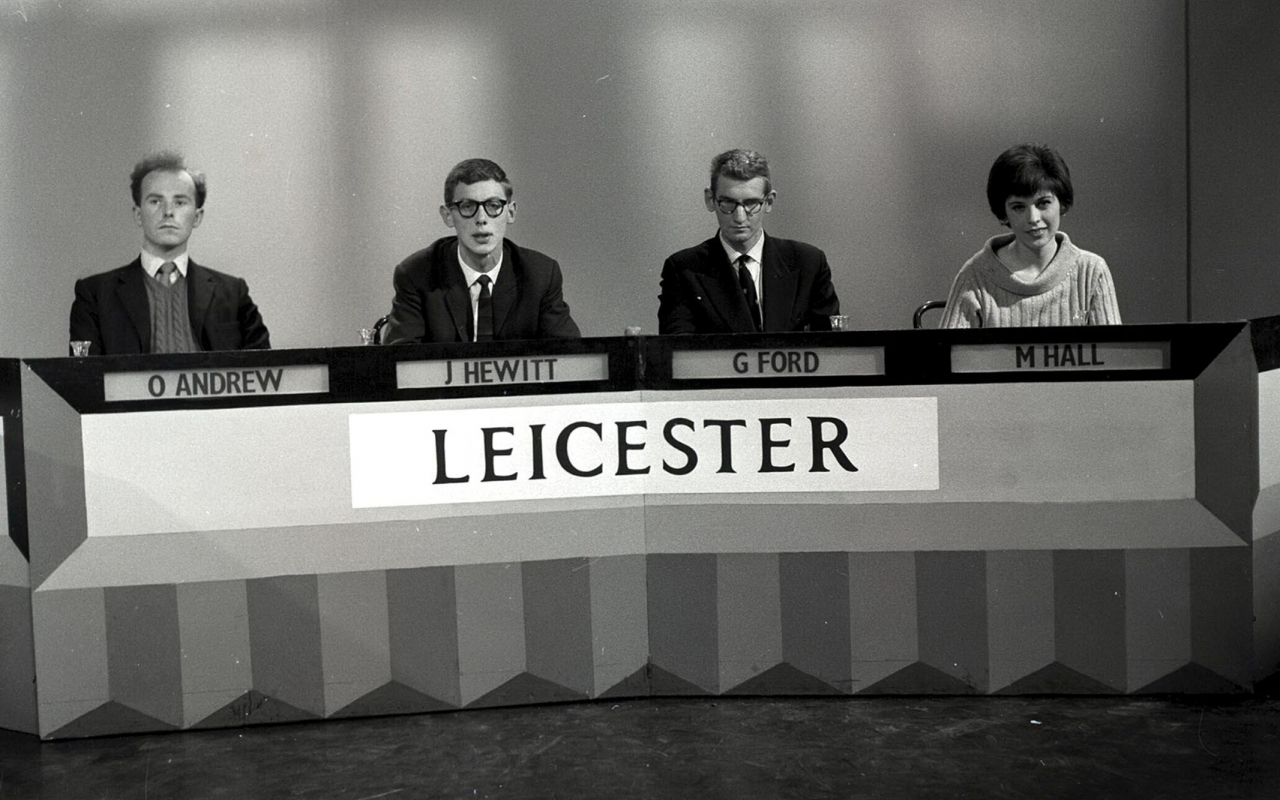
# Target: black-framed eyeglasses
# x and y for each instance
(468, 208)
(728, 206)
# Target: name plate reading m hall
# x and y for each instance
(1049, 357)
(493, 371)
(777, 363)
(205, 384)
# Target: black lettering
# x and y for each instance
(793, 362)
(780, 356)
(233, 382)
(1027, 355)
(762, 358)
(1068, 356)
(155, 385)
(448, 373)
(726, 439)
(217, 383)
(820, 444)
(270, 380)
(491, 452)
(442, 475)
(1095, 361)
(485, 368)
(768, 444)
(625, 447)
(740, 363)
(551, 368)
(690, 455)
(1051, 356)
(471, 372)
(199, 383)
(810, 361)
(538, 474)
(562, 449)
(507, 369)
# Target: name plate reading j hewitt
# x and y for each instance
(205, 384)
(1041, 357)
(494, 371)
(790, 362)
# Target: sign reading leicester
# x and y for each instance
(426, 457)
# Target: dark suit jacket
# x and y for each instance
(700, 292)
(111, 311)
(433, 304)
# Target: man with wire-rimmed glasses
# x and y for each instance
(740, 280)
(478, 285)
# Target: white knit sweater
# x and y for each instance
(1075, 289)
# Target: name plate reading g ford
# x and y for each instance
(787, 362)
(494, 371)
(205, 384)
(1040, 357)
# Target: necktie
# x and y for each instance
(165, 273)
(484, 311)
(749, 290)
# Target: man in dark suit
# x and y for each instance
(478, 285)
(741, 280)
(163, 302)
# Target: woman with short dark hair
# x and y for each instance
(1032, 275)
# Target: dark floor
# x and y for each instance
(982, 747)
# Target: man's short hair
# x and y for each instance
(475, 170)
(167, 161)
(1025, 169)
(742, 165)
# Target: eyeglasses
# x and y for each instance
(728, 206)
(468, 208)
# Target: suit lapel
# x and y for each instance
(779, 281)
(132, 293)
(506, 288)
(200, 291)
(720, 286)
(457, 297)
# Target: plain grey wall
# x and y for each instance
(1234, 112)
(326, 129)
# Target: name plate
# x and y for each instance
(1041, 357)
(493, 371)
(204, 384)
(790, 362)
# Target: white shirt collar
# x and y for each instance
(151, 264)
(471, 274)
(755, 253)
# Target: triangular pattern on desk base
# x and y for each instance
(784, 679)
(919, 678)
(111, 718)
(526, 689)
(1058, 678)
(392, 698)
(1192, 679)
(665, 684)
(634, 685)
(254, 708)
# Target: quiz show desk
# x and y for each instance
(229, 539)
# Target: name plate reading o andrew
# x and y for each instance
(1042, 357)
(779, 363)
(205, 384)
(494, 371)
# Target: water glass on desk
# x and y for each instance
(80, 348)
(839, 322)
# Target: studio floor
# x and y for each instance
(932, 747)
